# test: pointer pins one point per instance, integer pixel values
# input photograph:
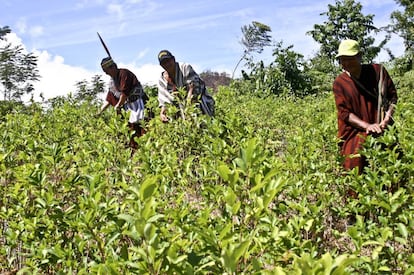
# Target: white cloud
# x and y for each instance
(134, 1)
(115, 9)
(147, 74)
(36, 31)
(21, 25)
(57, 78)
(11, 38)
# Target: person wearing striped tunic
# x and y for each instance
(176, 75)
(358, 102)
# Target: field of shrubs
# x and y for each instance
(258, 189)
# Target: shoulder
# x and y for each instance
(342, 77)
(124, 71)
(184, 66)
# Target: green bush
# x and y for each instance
(258, 189)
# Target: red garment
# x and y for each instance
(126, 81)
(350, 98)
(111, 98)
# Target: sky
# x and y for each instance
(203, 33)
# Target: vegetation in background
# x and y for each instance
(258, 189)
(253, 190)
(255, 37)
(18, 70)
(346, 21)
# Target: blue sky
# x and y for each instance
(204, 33)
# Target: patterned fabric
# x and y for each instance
(350, 98)
(184, 74)
(127, 83)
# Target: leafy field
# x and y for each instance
(257, 190)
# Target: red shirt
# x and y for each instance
(126, 81)
(350, 98)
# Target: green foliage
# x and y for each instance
(255, 37)
(288, 74)
(7, 107)
(3, 31)
(403, 24)
(346, 21)
(17, 72)
(256, 190)
(88, 91)
(322, 72)
(294, 68)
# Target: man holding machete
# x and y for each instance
(130, 93)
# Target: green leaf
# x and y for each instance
(148, 188)
(403, 230)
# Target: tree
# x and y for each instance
(255, 38)
(86, 91)
(17, 70)
(346, 21)
(294, 68)
(403, 25)
(3, 31)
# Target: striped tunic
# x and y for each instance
(184, 74)
(350, 98)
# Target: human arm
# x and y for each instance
(192, 81)
(109, 100)
(388, 117)
(351, 107)
(163, 114)
(356, 122)
(103, 108)
(165, 97)
(121, 101)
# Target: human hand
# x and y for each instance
(374, 128)
(384, 123)
(163, 117)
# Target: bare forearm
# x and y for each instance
(356, 122)
(163, 114)
(104, 107)
(121, 101)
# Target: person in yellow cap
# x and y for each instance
(180, 75)
(359, 101)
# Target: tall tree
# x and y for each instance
(346, 21)
(403, 25)
(18, 70)
(86, 91)
(294, 68)
(255, 37)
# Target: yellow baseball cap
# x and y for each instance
(348, 47)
